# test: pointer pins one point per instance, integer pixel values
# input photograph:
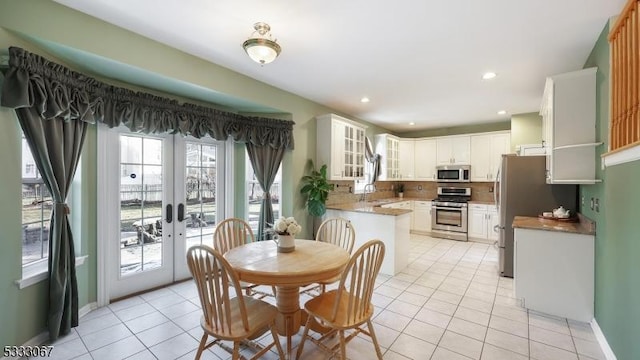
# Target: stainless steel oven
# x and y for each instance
(449, 213)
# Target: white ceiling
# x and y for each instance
(418, 61)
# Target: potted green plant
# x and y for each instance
(316, 187)
(400, 190)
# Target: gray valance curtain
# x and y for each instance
(54, 106)
(33, 80)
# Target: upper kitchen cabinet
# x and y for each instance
(425, 159)
(569, 127)
(406, 156)
(453, 150)
(486, 154)
(340, 145)
(388, 146)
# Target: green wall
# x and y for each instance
(526, 129)
(617, 294)
(455, 130)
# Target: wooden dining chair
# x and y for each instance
(227, 314)
(337, 231)
(231, 233)
(349, 306)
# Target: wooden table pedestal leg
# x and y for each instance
(288, 303)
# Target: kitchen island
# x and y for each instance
(371, 221)
(554, 266)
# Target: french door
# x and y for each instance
(164, 193)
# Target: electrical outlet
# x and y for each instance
(582, 200)
(591, 205)
(597, 205)
(419, 187)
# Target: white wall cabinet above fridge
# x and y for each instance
(569, 127)
(453, 150)
(486, 154)
(340, 145)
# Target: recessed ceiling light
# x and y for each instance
(502, 112)
(365, 100)
(489, 75)
(412, 123)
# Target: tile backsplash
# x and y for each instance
(427, 190)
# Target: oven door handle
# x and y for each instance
(448, 208)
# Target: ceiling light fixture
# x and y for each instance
(260, 47)
(502, 112)
(412, 123)
(365, 100)
(489, 75)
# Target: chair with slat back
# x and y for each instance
(337, 231)
(226, 313)
(231, 233)
(349, 306)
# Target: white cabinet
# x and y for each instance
(421, 216)
(340, 145)
(406, 154)
(569, 127)
(453, 150)
(425, 160)
(481, 222)
(477, 221)
(388, 146)
(554, 272)
(486, 154)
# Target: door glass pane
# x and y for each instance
(140, 204)
(200, 189)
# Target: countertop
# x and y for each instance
(584, 226)
(373, 207)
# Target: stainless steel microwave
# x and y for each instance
(453, 173)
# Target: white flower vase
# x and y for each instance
(286, 243)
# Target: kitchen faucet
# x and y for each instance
(364, 192)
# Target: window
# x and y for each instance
(36, 210)
(624, 126)
(255, 194)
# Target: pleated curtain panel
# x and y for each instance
(54, 106)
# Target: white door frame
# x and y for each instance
(103, 277)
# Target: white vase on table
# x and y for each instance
(286, 243)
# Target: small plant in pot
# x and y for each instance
(316, 187)
(400, 190)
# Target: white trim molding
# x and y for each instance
(621, 157)
(42, 273)
(602, 340)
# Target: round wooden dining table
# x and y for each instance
(260, 263)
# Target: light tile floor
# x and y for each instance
(449, 303)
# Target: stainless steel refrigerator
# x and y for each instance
(521, 190)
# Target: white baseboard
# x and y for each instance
(87, 309)
(602, 340)
(44, 336)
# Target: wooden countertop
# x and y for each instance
(584, 226)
